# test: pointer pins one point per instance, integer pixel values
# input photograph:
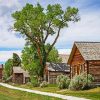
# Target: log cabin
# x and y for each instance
(52, 70)
(1, 71)
(85, 57)
(20, 76)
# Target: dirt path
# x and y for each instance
(44, 93)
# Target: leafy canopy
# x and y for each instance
(8, 68)
(30, 60)
(16, 60)
(38, 24)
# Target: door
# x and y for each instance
(19, 78)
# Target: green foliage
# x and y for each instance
(8, 68)
(30, 61)
(63, 81)
(16, 60)
(81, 81)
(34, 81)
(53, 55)
(38, 24)
(43, 84)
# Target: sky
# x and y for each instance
(87, 29)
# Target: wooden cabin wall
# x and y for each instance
(17, 78)
(0, 74)
(94, 69)
(77, 58)
(77, 64)
(52, 76)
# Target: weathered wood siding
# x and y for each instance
(94, 69)
(77, 63)
(52, 76)
(77, 58)
(1, 73)
(17, 78)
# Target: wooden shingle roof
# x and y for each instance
(20, 70)
(62, 67)
(89, 50)
(64, 57)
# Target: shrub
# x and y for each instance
(63, 81)
(34, 81)
(81, 81)
(44, 84)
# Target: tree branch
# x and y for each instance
(37, 47)
(54, 41)
(47, 32)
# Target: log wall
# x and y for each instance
(17, 78)
(1, 73)
(94, 69)
(77, 64)
(52, 76)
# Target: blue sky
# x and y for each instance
(87, 29)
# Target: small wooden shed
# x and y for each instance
(52, 70)
(85, 57)
(20, 76)
(1, 71)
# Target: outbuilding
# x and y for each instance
(20, 76)
(1, 71)
(52, 70)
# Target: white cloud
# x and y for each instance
(8, 38)
(5, 55)
(64, 51)
(10, 3)
(87, 29)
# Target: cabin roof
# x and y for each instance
(88, 50)
(62, 67)
(64, 57)
(17, 70)
(20, 70)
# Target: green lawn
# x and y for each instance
(9, 94)
(93, 94)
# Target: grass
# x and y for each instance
(93, 94)
(9, 94)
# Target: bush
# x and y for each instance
(34, 81)
(44, 84)
(63, 81)
(81, 81)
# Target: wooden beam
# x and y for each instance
(87, 71)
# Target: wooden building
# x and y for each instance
(20, 76)
(85, 57)
(64, 57)
(52, 70)
(1, 71)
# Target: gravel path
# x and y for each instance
(44, 93)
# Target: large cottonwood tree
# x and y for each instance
(38, 24)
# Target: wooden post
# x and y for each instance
(70, 72)
(87, 71)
